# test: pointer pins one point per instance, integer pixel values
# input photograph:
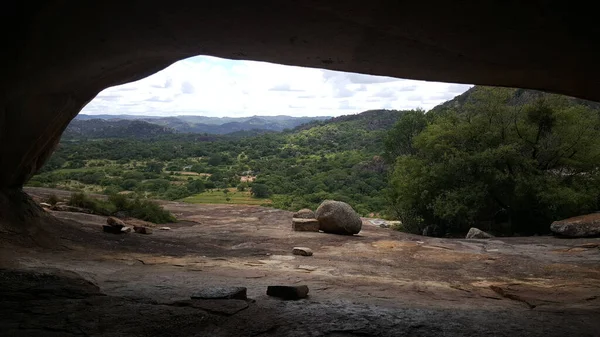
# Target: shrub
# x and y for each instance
(52, 199)
(142, 209)
(96, 206)
(146, 210)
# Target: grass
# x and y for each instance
(218, 197)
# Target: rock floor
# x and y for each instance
(379, 283)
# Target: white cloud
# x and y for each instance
(218, 87)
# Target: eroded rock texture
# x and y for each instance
(57, 55)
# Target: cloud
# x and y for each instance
(342, 92)
(368, 79)
(386, 93)
(158, 99)
(212, 86)
(187, 88)
(168, 83)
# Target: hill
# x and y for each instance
(339, 158)
(100, 128)
(199, 124)
(509, 96)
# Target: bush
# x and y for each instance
(146, 210)
(142, 209)
(82, 200)
(52, 199)
(260, 191)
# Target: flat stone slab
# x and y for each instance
(221, 293)
(288, 292)
(305, 225)
(303, 251)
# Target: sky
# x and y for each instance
(210, 86)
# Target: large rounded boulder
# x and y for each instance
(338, 217)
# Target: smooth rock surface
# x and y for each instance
(215, 293)
(578, 227)
(475, 233)
(288, 292)
(305, 225)
(338, 217)
(219, 306)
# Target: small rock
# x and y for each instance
(125, 229)
(304, 213)
(475, 233)
(142, 230)
(114, 222)
(578, 227)
(165, 228)
(304, 251)
(45, 204)
(305, 225)
(288, 292)
(221, 293)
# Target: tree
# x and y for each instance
(260, 191)
(491, 161)
(154, 167)
(196, 186)
(399, 139)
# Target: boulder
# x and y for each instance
(114, 222)
(221, 293)
(303, 251)
(304, 213)
(578, 227)
(475, 233)
(288, 292)
(142, 230)
(305, 225)
(338, 217)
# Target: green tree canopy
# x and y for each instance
(490, 161)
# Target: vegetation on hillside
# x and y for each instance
(505, 160)
(337, 159)
(489, 160)
(146, 210)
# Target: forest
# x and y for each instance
(505, 160)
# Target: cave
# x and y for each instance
(58, 55)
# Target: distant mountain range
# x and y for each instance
(117, 126)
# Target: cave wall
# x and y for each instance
(57, 55)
